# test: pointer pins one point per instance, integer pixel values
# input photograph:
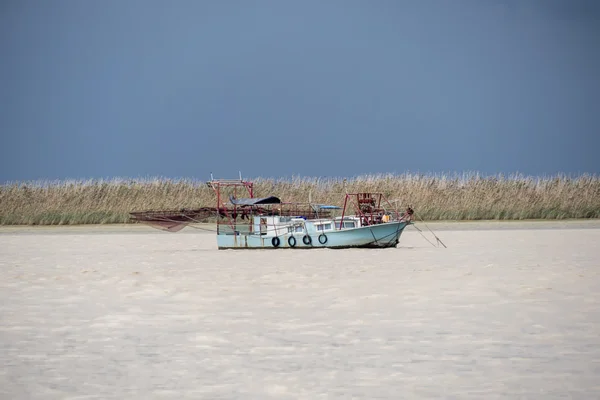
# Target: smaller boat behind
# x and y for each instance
(365, 220)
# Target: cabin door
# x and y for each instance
(263, 226)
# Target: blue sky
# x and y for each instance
(138, 88)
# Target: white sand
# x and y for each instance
(507, 311)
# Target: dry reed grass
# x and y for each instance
(434, 197)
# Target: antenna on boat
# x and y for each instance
(240, 175)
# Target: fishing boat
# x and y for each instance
(365, 220)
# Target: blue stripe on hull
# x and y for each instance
(374, 236)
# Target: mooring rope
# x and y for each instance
(424, 237)
(438, 240)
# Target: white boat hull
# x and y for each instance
(373, 236)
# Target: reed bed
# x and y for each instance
(434, 197)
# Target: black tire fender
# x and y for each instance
(322, 238)
(292, 241)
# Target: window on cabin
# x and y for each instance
(323, 227)
(347, 224)
(295, 228)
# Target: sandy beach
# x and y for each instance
(509, 310)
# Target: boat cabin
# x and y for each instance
(276, 225)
